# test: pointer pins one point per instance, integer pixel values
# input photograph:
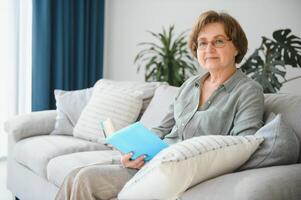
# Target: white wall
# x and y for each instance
(128, 20)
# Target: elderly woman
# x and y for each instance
(224, 101)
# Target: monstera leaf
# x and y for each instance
(289, 47)
(267, 65)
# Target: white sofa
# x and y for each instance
(38, 161)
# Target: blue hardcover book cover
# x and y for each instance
(137, 139)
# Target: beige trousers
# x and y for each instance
(101, 181)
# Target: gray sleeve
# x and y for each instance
(248, 118)
(166, 124)
(169, 121)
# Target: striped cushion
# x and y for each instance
(122, 105)
(147, 88)
(188, 163)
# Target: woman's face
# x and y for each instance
(215, 51)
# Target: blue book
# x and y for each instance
(137, 139)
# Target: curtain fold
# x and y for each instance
(67, 47)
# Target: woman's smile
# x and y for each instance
(211, 59)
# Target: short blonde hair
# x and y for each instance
(232, 29)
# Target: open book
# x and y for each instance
(137, 139)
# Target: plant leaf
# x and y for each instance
(267, 64)
(168, 60)
(288, 46)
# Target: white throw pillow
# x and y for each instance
(69, 105)
(121, 104)
(147, 88)
(188, 163)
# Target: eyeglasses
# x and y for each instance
(217, 43)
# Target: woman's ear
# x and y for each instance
(236, 52)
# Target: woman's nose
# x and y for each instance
(209, 47)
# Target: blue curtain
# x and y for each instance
(67, 51)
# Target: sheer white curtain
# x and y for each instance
(15, 62)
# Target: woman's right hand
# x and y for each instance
(134, 164)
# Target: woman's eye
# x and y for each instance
(219, 42)
(203, 44)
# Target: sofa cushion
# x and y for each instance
(188, 163)
(158, 106)
(280, 146)
(146, 88)
(69, 105)
(118, 103)
(59, 167)
(36, 152)
(272, 183)
(290, 108)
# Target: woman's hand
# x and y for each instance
(135, 164)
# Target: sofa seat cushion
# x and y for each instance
(271, 183)
(58, 168)
(35, 152)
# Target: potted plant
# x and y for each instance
(167, 59)
(268, 64)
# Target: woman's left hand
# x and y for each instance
(134, 164)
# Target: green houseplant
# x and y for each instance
(167, 59)
(267, 65)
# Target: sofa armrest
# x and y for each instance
(32, 124)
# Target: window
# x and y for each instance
(15, 62)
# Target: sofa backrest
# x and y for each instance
(286, 104)
(157, 108)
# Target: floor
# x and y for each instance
(4, 193)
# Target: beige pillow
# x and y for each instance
(121, 104)
(188, 163)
